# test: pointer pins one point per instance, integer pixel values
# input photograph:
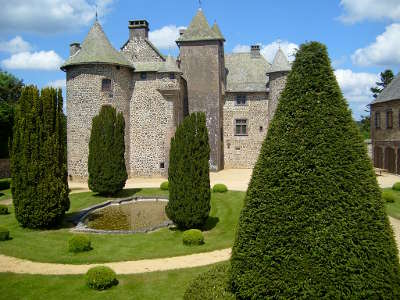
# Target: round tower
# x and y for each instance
(97, 75)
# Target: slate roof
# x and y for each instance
(246, 73)
(96, 48)
(217, 31)
(169, 66)
(280, 63)
(199, 30)
(391, 92)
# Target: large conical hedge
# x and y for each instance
(314, 224)
(188, 173)
(39, 159)
(107, 170)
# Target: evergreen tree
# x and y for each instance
(39, 160)
(314, 225)
(188, 173)
(107, 170)
(386, 78)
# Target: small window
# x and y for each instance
(241, 100)
(106, 85)
(377, 120)
(241, 127)
(162, 165)
(143, 75)
(261, 128)
(171, 75)
(389, 119)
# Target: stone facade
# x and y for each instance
(277, 82)
(5, 168)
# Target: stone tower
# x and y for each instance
(97, 74)
(203, 67)
(277, 80)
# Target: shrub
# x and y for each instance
(210, 285)
(39, 159)
(101, 278)
(220, 188)
(3, 209)
(396, 186)
(314, 224)
(188, 174)
(193, 237)
(4, 234)
(164, 186)
(106, 165)
(5, 184)
(79, 243)
(389, 196)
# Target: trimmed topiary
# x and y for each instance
(101, 278)
(314, 224)
(210, 285)
(4, 234)
(220, 188)
(188, 174)
(5, 184)
(106, 162)
(3, 209)
(193, 237)
(39, 159)
(389, 196)
(396, 186)
(79, 243)
(164, 186)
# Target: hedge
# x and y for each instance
(79, 243)
(101, 278)
(164, 186)
(220, 188)
(4, 234)
(193, 237)
(3, 209)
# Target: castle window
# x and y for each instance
(171, 75)
(241, 127)
(241, 99)
(143, 75)
(162, 165)
(377, 120)
(261, 128)
(389, 119)
(106, 85)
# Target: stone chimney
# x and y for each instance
(73, 48)
(138, 29)
(255, 51)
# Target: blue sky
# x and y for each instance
(362, 36)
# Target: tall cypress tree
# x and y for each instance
(314, 224)
(107, 170)
(188, 173)
(38, 159)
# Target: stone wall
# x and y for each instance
(5, 168)
(140, 50)
(84, 100)
(243, 151)
(277, 82)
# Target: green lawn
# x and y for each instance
(51, 245)
(157, 285)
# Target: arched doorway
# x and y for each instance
(378, 157)
(390, 160)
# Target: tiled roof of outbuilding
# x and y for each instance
(95, 49)
(246, 73)
(391, 92)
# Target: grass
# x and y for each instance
(156, 285)
(52, 245)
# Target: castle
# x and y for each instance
(238, 92)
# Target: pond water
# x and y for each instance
(138, 216)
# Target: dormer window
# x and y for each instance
(241, 99)
(171, 75)
(143, 75)
(106, 85)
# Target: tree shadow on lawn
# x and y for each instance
(125, 193)
(209, 225)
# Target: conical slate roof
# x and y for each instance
(198, 30)
(217, 31)
(169, 66)
(95, 49)
(280, 63)
(391, 92)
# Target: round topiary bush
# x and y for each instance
(79, 243)
(388, 196)
(3, 209)
(101, 278)
(164, 186)
(396, 186)
(220, 188)
(193, 237)
(210, 285)
(4, 234)
(5, 184)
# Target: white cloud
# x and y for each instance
(269, 50)
(383, 52)
(165, 37)
(356, 86)
(49, 16)
(59, 83)
(358, 10)
(15, 45)
(42, 60)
